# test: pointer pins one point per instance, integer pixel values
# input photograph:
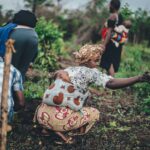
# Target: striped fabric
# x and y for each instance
(15, 84)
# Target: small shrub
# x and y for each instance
(146, 105)
(35, 90)
(50, 45)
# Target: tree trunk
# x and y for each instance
(34, 6)
(4, 98)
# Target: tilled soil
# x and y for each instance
(121, 127)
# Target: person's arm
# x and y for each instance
(124, 82)
(111, 24)
(20, 98)
(108, 36)
(17, 89)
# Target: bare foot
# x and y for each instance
(67, 140)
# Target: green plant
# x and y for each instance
(126, 11)
(35, 90)
(50, 37)
(46, 61)
(50, 45)
(135, 61)
(146, 105)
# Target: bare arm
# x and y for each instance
(124, 82)
(111, 24)
(20, 98)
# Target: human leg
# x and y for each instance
(111, 70)
(61, 120)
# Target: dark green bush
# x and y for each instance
(50, 45)
(146, 105)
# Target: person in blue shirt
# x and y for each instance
(26, 40)
(21, 29)
(16, 86)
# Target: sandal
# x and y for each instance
(69, 140)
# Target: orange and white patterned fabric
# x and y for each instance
(62, 93)
(64, 119)
(62, 108)
(74, 94)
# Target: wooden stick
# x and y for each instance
(4, 98)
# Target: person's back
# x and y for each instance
(26, 40)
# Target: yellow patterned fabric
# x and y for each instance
(64, 119)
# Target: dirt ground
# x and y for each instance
(120, 127)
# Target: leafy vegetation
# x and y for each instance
(35, 90)
(135, 61)
(50, 45)
(125, 113)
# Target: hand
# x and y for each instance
(145, 77)
(62, 75)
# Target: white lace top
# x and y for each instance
(82, 76)
(74, 95)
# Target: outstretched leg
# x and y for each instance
(111, 70)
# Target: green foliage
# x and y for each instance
(35, 90)
(140, 30)
(50, 45)
(69, 25)
(113, 125)
(146, 105)
(46, 61)
(49, 36)
(132, 62)
(143, 90)
(126, 11)
(143, 95)
(135, 60)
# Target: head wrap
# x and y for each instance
(88, 52)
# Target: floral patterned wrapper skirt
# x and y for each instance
(64, 119)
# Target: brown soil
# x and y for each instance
(121, 126)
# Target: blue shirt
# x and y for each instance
(4, 35)
(15, 84)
